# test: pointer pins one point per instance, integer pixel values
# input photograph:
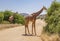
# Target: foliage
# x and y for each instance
(1, 17)
(18, 18)
(53, 18)
(7, 14)
(5, 22)
(4, 16)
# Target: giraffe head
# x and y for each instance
(44, 8)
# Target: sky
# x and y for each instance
(24, 6)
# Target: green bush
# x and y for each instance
(1, 17)
(18, 19)
(7, 14)
(4, 16)
(5, 22)
(53, 18)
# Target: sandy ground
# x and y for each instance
(16, 33)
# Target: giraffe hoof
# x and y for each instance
(25, 34)
(35, 34)
(28, 33)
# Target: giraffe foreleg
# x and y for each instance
(28, 29)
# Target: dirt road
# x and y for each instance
(16, 33)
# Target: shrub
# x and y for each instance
(5, 22)
(53, 18)
(4, 16)
(18, 19)
(1, 17)
(7, 14)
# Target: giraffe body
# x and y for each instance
(32, 18)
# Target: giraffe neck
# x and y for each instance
(37, 13)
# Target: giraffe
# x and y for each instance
(32, 18)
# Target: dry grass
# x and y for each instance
(5, 26)
(54, 37)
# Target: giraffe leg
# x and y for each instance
(34, 28)
(25, 30)
(28, 29)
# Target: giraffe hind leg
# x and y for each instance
(25, 30)
(34, 28)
